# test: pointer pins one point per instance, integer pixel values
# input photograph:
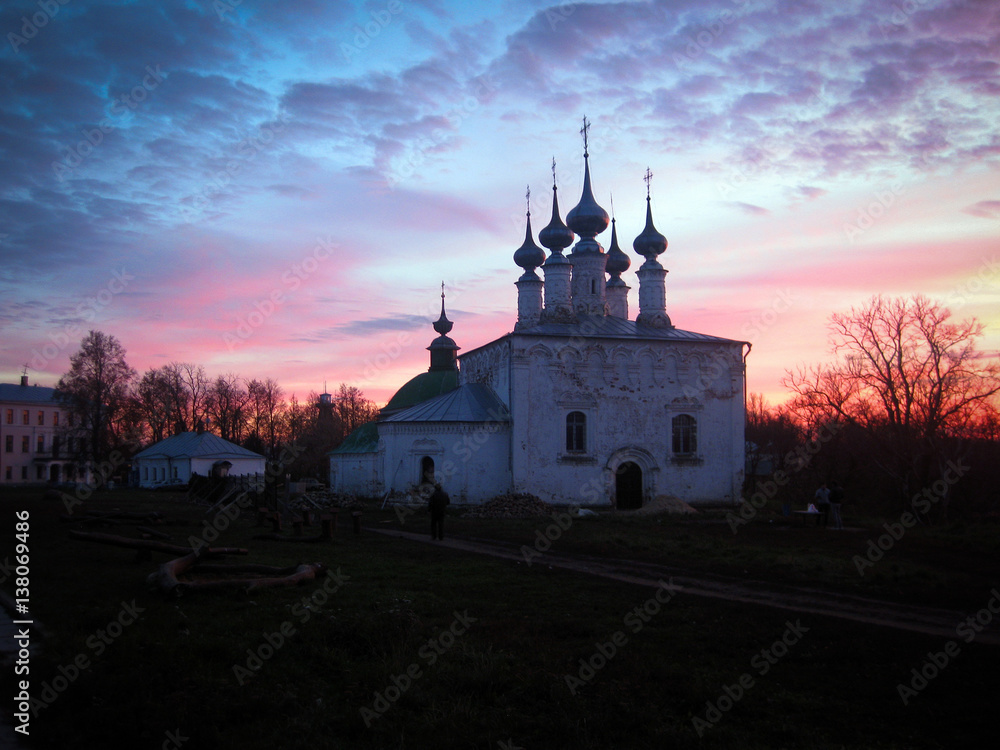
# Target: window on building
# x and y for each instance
(25, 448)
(39, 472)
(55, 446)
(576, 431)
(9, 475)
(145, 472)
(9, 446)
(685, 435)
(41, 417)
(10, 416)
(24, 473)
(174, 473)
(41, 444)
(55, 419)
(25, 417)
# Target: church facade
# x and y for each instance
(580, 404)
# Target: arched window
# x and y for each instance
(685, 435)
(576, 431)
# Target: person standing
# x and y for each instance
(438, 501)
(836, 500)
(822, 496)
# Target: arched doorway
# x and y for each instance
(426, 469)
(628, 486)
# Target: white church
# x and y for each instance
(580, 404)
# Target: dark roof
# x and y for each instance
(363, 439)
(195, 445)
(424, 386)
(472, 402)
(28, 394)
(610, 327)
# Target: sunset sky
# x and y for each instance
(278, 189)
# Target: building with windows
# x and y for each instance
(33, 442)
(175, 459)
(580, 403)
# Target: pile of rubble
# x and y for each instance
(511, 505)
(326, 499)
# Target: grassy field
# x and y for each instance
(410, 645)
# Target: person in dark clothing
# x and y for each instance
(438, 501)
(836, 500)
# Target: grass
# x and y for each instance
(479, 649)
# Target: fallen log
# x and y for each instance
(165, 579)
(153, 532)
(152, 545)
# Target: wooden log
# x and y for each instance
(150, 544)
(165, 579)
(153, 532)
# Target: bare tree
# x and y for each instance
(197, 383)
(910, 377)
(95, 392)
(226, 403)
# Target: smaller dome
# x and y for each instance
(442, 325)
(529, 256)
(649, 243)
(556, 236)
(618, 262)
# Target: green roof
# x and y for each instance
(363, 439)
(424, 386)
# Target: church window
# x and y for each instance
(576, 431)
(685, 435)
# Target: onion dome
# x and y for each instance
(442, 348)
(649, 243)
(556, 236)
(618, 261)
(587, 218)
(529, 256)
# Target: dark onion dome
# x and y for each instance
(442, 325)
(587, 219)
(618, 261)
(556, 236)
(649, 243)
(529, 256)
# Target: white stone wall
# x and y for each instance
(629, 392)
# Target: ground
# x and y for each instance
(414, 644)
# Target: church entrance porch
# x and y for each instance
(628, 486)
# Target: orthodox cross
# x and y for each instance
(648, 178)
(442, 292)
(584, 132)
(527, 199)
(553, 172)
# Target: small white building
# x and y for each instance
(579, 404)
(175, 459)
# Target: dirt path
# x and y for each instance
(927, 620)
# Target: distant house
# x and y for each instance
(174, 460)
(33, 445)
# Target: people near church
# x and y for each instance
(437, 503)
(836, 501)
(822, 497)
